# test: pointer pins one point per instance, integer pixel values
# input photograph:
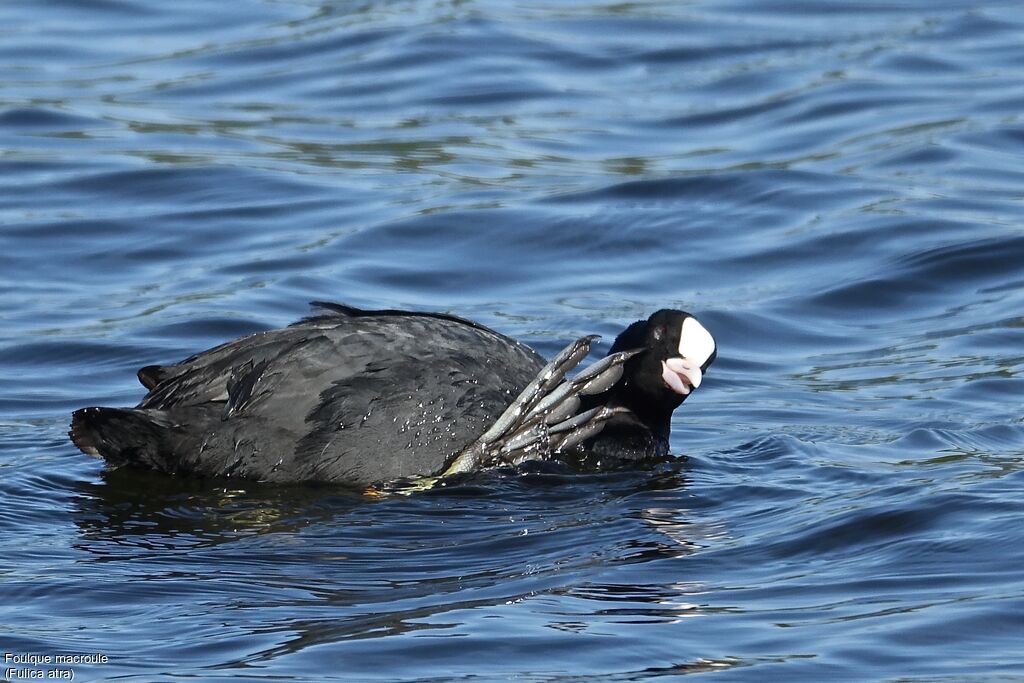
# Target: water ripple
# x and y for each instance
(833, 186)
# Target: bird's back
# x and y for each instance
(348, 396)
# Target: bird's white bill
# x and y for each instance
(681, 375)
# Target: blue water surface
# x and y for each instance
(836, 188)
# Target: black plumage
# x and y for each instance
(359, 397)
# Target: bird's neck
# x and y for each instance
(644, 411)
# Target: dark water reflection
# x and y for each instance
(833, 186)
(298, 568)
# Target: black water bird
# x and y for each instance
(359, 397)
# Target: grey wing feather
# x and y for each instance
(355, 399)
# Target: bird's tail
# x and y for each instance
(121, 436)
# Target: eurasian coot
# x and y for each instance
(358, 397)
